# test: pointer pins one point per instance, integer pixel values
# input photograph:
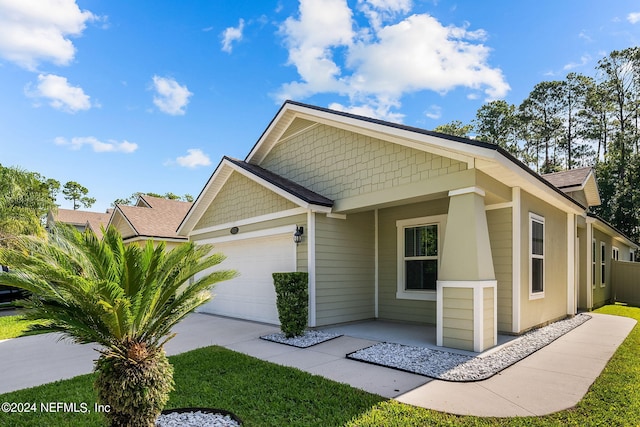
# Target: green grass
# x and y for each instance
(258, 392)
(16, 326)
(264, 394)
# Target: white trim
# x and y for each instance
(477, 190)
(252, 220)
(615, 253)
(336, 215)
(594, 261)
(495, 206)
(571, 264)
(401, 224)
(311, 265)
(603, 263)
(516, 259)
(478, 318)
(285, 229)
(376, 274)
(539, 219)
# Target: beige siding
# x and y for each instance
(389, 307)
(457, 318)
(500, 235)
(242, 198)
(535, 312)
(602, 289)
(345, 288)
(488, 317)
(340, 164)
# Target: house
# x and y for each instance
(81, 220)
(151, 218)
(403, 224)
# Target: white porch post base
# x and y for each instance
(468, 320)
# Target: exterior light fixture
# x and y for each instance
(297, 236)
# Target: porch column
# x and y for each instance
(466, 289)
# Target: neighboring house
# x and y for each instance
(152, 218)
(82, 220)
(400, 223)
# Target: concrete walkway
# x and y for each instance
(554, 378)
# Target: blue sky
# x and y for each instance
(125, 96)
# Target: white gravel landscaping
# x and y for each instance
(195, 419)
(305, 340)
(444, 365)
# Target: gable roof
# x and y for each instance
(580, 179)
(487, 157)
(77, 218)
(155, 218)
(284, 187)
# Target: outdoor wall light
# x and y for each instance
(297, 236)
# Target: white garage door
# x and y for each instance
(252, 295)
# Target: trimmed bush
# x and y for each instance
(292, 302)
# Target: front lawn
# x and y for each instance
(264, 394)
(15, 326)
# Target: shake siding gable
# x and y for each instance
(242, 198)
(339, 164)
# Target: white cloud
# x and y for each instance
(230, 35)
(98, 146)
(584, 60)
(38, 30)
(434, 112)
(171, 97)
(633, 17)
(387, 60)
(61, 95)
(379, 11)
(193, 159)
(322, 25)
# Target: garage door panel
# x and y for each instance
(251, 295)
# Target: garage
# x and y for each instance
(252, 295)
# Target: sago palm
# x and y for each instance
(125, 298)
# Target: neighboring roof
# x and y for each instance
(581, 179)
(159, 220)
(94, 220)
(283, 183)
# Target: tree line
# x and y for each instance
(26, 198)
(578, 121)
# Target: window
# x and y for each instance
(593, 263)
(603, 263)
(615, 253)
(536, 256)
(421, 257)
(419, 243)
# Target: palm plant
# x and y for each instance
(124, 298)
